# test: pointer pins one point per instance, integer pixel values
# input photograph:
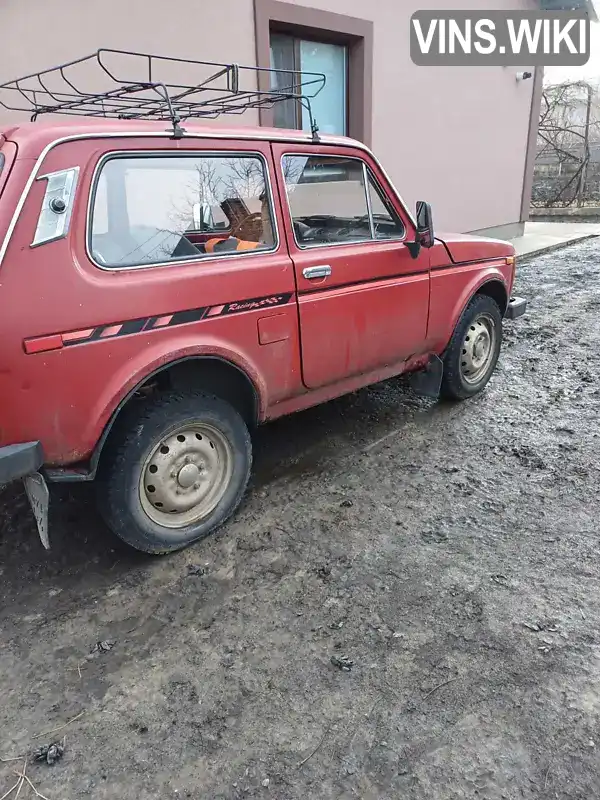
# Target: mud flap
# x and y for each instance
(427, 381)
(39, 500)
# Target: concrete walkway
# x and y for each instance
(540, 237)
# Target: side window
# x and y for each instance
(386, 222)
(327, 198)
(331, 204)
(101, 206)
(159, 209)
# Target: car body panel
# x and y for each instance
(8, 153)
(468, 247)
(451, 290)
(372, 309)
(67, 293)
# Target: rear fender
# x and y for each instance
(152, 361)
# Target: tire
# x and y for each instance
(471, 356)
(176, 470)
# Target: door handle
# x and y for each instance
(322, 271)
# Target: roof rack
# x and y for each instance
(153, 89)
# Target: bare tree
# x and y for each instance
(569, 125)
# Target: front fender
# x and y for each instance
(452, 289)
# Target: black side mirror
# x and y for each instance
(425, 237)
(425, 232)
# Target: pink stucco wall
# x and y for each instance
(456, 137)
(466, 126)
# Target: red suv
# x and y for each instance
(166, 286)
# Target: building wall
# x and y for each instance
(454, 136)
(35, 35)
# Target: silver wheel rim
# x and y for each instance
(479, 346)
(186, 475)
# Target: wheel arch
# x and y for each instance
(211, 373)
(496, 289)
(491, 285)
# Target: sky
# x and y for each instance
(590, 71)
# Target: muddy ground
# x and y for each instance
(450, 551)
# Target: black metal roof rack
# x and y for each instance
(153, 88)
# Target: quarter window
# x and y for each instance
(336, 200)
(165, 209)
(386, 222)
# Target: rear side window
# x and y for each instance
(336, 200)
(164, 209)
(1, 163)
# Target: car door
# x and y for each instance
(363, 300)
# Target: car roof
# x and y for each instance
(33, 136)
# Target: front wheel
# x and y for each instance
(473, 351)
(176, 472)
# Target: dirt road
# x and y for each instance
(450, 552)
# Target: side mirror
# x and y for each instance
(197, 216)
(425, 236)
(202, 216)
(425, 232)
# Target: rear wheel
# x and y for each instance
(472, 354)
(177, 470)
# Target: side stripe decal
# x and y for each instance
(57, 341)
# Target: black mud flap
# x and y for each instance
(427, 381)
(39, 500)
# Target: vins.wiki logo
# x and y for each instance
(500, 38)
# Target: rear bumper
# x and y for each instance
(18, 460)
(516, 308)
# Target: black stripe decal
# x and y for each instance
(95, 335)
(132, 326)
(183, 317)
(149, 323)
(190, 315)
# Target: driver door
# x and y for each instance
(363, 300)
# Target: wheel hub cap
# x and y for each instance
(478, 349)
(481, 347)
(186, 475)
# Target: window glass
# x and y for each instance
(327, 199)
(101, 207)
(330, 106)
(1, 162)
(159, 209)
(283, 57)
(386, 222)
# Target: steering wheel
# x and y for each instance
(366, 219)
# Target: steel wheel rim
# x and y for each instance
(478, 348)
(186, 475)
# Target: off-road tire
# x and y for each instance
(454, 385)
(137, 435)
